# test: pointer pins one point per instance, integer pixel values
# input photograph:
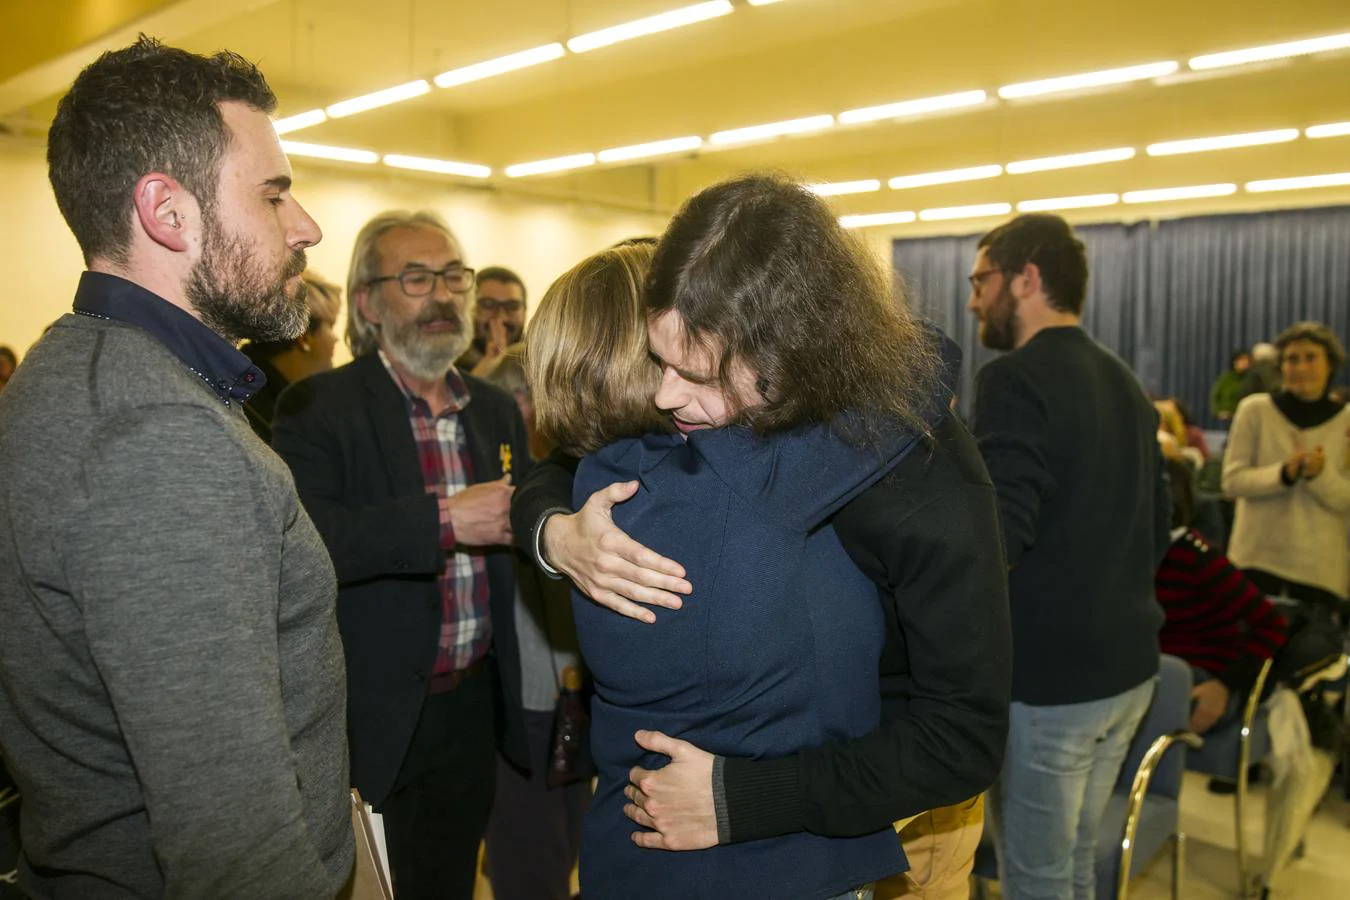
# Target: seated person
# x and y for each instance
(1217, 619)
(1173, 435)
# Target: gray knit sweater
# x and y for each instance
(172, 691)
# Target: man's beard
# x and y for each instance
(425, 355)
(238, 301)
(998, 325)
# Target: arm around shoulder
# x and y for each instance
(929, 535)
(545, 490)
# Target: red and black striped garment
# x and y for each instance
(1217, 618)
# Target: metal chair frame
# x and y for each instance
(1248, 883)
(1135, 807)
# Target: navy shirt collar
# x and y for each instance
(228, 372)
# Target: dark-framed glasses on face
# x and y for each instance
(422, 282)
(488, 304)
(977, 278)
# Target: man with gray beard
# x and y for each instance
(171, 684)
(406, 466)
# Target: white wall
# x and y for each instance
(38, 254)
(540, 239)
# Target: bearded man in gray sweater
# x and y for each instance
(171, 677)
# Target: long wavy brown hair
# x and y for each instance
(759, 270)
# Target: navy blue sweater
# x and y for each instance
(1070, 442)
(775, 650)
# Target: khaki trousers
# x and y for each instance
(941, 846)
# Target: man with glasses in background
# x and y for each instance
(498, 319)
(1069, 439)
(406, 465)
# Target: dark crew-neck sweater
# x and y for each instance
(1070, 442)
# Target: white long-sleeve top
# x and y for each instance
(1300, 532)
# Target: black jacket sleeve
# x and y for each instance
(1011, 422)
(546, 489)
(929, 536)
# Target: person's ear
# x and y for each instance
(165, 210)
(1030, 281)
(366, 306)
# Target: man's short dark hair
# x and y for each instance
(1239, 354)
(145, 108)
(502, 274)
(9, 354)
(1049, 242)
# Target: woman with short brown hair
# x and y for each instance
(1286, 465)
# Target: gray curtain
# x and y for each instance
(1222, 282)
(1173, 299)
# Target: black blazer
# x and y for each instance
(346, 436)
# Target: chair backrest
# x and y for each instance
(1169, 712)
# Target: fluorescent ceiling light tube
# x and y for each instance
(300, 120)
(1338, 179)
(772, 130)
(1192, 192)
(1332, 129)
(1223, 142)
(544, 166)
(676, 18)
(764, 2)
(655, 148)
(966, 212)
(912, 107)
(1069, 161)
(867, 221)
(379, 98)
(323, 151)
(1085, 201)
(501, 64)
(836, 188)
(1087, 80)
(974, 173)
(439, 166)
(1271, 51)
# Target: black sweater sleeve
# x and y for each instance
(929, 535)
(1011, 422)
(546, 489)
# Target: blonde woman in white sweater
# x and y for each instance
(1286, 465)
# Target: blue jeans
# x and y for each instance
(1061, 766)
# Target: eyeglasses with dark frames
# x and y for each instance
(977, 278)
(422, 282)
(488, 304)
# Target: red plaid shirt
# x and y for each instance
(447, 469)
